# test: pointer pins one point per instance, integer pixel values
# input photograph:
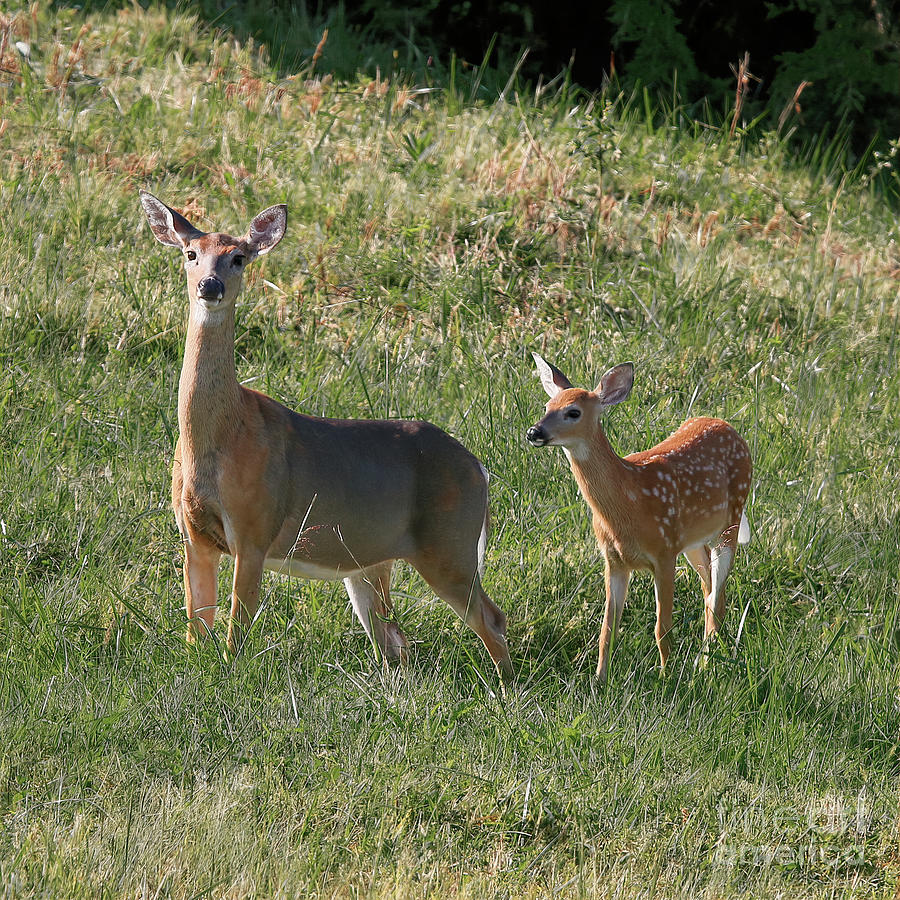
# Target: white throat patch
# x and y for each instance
(579, 452)
(207, 316)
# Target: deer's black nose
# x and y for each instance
(536, 436)
(210, 288)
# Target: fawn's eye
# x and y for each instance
(572, 414)
(238, 260)
(191, 255)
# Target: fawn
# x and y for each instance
(311, 497)
(685, 495)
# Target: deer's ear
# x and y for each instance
(267, 229)
(616, 384)
(169, 226)
(551, 378)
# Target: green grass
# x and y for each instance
(433, 242)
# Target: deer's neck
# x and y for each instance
(603, 477)
(209, 396)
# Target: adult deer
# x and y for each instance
(685, 495)
(311, 497)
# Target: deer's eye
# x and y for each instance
(572, 414)
(238, 260)
(191, 255)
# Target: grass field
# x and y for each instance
(435, 238)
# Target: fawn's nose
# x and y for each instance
(210, 288)
(536, 436)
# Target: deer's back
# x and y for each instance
(380, 484)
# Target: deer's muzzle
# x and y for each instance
(210, 289)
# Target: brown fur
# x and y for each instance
(682, 496)
(322, 497)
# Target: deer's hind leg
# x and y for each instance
(370, 593)
(722, 558)
(699, 558)
(459, 586)
(450, 544)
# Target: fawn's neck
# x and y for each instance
(603, 477)
(209, 396)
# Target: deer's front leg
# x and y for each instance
(201, 565)
(616, 578)
(665, 593)
(248, 569)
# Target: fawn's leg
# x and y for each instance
(665, 593)
(722, 556)
(616, 580)
(699, 558)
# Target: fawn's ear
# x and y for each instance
(267, 229)
(551, 378)
(168, 226)
(616, 384)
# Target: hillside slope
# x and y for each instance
(436, 238)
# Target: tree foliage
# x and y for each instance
(845, 53)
